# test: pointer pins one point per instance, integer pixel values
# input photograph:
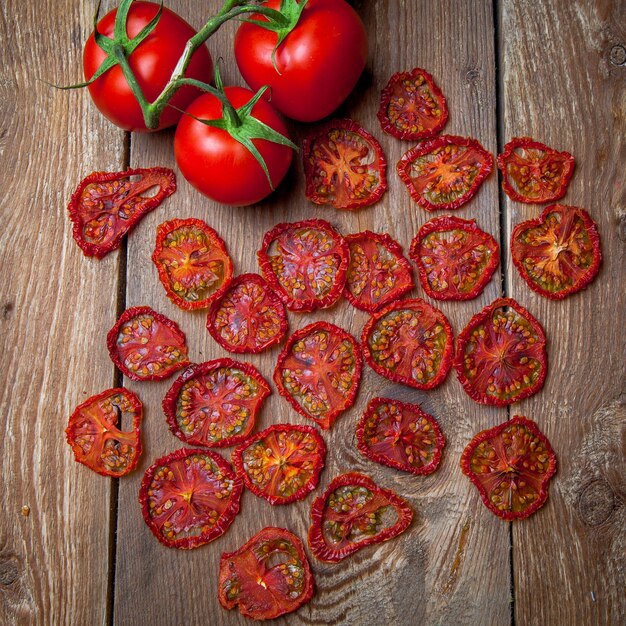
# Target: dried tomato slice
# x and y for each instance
(96, 440)
(409, 342)
(215, 404)
(318, 372)
(412, 106)
(455, 258)
(511, 465)
(501, 354)
(558, 253)
(108, 205)
(534, 173)
(445, 172)
(146, 345)
(344, 166)
(378, 273)
(353, 513)
(192, 261)
(189, 498)
(267, 577)
(248, 317)
(305, 263)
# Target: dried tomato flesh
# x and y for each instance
(501, 354)
(146, 345)
(95, 438)
(558, 253)
(215, 404)
(455, 258)
(267, 577)
(344, 166)
(189, 498)
(353, 513)
(108, 205)
(511, 465)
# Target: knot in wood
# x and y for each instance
(8, 571)
(617, 55)
(596, 502)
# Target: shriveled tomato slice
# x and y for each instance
(108, 205)
(353, 513)
(558, 253)
(305, 263)
(445, 172)
(146, 345)
(378, 273)
(534, 173)
(412, 106)
(93, 433)
(248, 317)
(192, 261)
(344, 166)
(501, 354)
(455, 258)
(189, 498)
(318, 372)
(215, 404)
(511, 465)
(409, 342)
(267, 577)
(282, 463)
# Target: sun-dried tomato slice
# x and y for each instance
(318, 372)
(378, 273)
(412, 106)
(511, 465)
(92, 432)
(215, 404)
(444, 172)
(146, 345)
(267, 577)
(558, 253)
(409, 342)
(455, 258)
(248, 317)
(108, 205)
(534, 173)
(189, 498)
(305, 263)
(344, 166)
(501, 354)
(354, 512)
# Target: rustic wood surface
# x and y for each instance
(83, 555)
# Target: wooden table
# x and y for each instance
(553, 69)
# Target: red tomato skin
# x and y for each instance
(152, 63)
(319, 62)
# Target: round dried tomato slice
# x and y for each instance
(558, 253)
(93, 433)
(501, 354)
(511, 465)
(189, 498)
(378, 273)
(267, 577)
(305, 263)
(445, 172)
(108, 205)
(534, 173)
(192, 261)
(409, 342)
(248, 317)
(146, 345)
(353, 513)
(344, 166)
(318, 372)
(282, 463)
(455, 258)
(215, 404)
